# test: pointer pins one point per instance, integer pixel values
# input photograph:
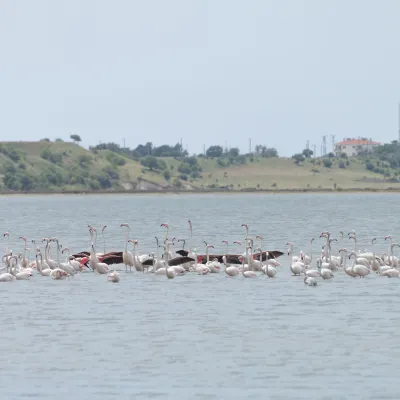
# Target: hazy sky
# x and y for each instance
(280, 72)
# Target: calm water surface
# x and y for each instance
(200, 337)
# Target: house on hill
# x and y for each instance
(355, 147)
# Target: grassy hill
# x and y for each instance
(67, 167)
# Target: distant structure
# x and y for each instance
(355, 147)
(323, 146)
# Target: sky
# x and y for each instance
(209, 72)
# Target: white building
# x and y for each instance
(355, 147)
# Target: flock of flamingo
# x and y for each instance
(250, 262)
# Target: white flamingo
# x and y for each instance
(127, 256)
(113, 277)
(359, 269)
(249, 273)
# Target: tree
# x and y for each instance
(327, 163)
(307, 153)
(266, 152)
(298, 158)
(214, 151)
(76, 138)
(233, 152)
(150, 162)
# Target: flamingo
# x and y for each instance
(229, 270)
(40, 265)
(76, 265)
(359, 269)
(392, 272)
(325, 273)
(127, 256)
(374, 263)
(113, 277)
(250, 273)
(22, 275)
(310, 281)
(24, 261)
(58, 274)
(7, 276)
(101, 268)
(359, 260)
(349, 270)
(267, 269)
(305, 258)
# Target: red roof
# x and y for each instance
(347, 142)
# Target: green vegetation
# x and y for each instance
(59, 166)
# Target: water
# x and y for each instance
(200, 337)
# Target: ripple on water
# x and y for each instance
(200, 337)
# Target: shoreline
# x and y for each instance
(214, 191)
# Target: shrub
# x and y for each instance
(151, 162)
(55, 158)
(115, 159)
(327, 163)
(370, 166)
(167, 175)
(84, 160)
(177, 183)
(111, 172)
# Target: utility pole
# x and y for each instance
(315, 151)
(333, 143)
(324, 145)
(249, 145)
(204, 150)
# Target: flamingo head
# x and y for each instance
(210, 246)
(6, 234)
(238, 242)
(164, 225)
(373, 240)
(103, 228)
(259, 237)
(225, 241)
(125, 225)
(352, 253)
(388, 237)
(23, 238)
